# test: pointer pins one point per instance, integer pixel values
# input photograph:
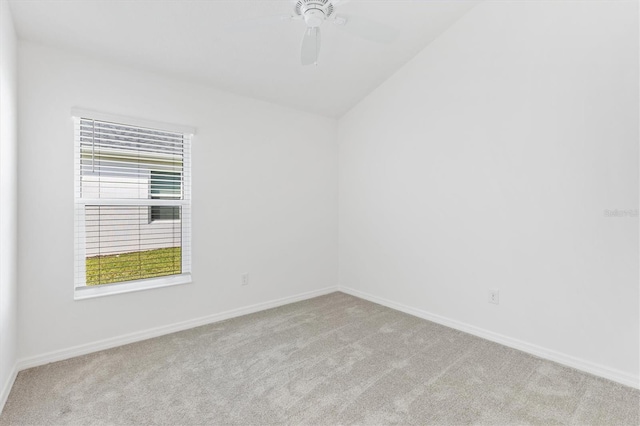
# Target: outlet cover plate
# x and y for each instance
(494, 296)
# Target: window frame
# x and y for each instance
(81, 290)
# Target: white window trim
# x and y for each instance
(139, 122)
(89, 292)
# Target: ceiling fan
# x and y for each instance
(316, 12)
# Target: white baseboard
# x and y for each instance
(551, 355)
(113, 342)
(564, 359)
(6, 388)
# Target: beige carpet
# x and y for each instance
(331, 360)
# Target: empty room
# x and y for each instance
(319, 212)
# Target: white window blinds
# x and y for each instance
(133, 202)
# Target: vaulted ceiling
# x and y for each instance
(225, 44)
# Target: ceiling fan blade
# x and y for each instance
(366, 28)
(310, 46)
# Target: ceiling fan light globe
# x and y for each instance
(314, 17)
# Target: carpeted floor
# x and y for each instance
(331, 360)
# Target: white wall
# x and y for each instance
(264, 200)
(488, 162)
(8, 204)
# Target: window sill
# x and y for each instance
(89, 292)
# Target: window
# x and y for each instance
(132, 203)
(167, 186)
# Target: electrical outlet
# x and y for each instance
(494, 296)
(245, 278)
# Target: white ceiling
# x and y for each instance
(191, 39)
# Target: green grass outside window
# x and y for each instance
(139, 265)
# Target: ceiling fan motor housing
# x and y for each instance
(314, 12)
